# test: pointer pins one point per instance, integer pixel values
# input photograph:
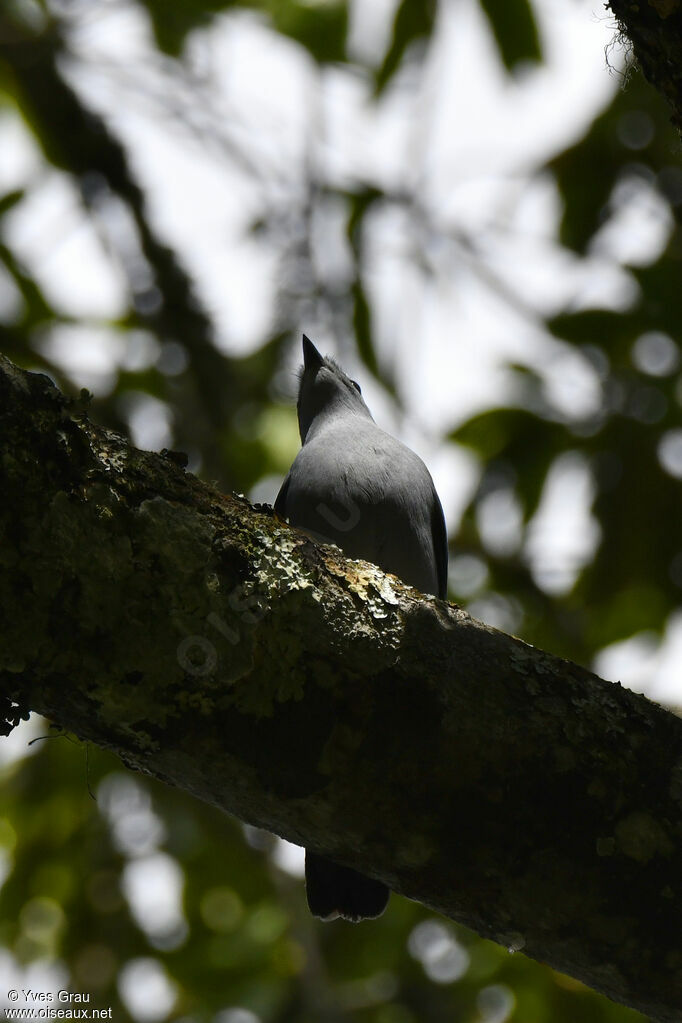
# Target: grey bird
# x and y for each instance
(354, 485)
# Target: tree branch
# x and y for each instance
(214, 647)
(654, 27)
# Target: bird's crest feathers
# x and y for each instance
(314, 360)
(320, 391)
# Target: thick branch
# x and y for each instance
(214, 647)
(654, 27)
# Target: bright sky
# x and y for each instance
(233, 131)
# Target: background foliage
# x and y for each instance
(117, 885)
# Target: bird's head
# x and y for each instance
(325, 390)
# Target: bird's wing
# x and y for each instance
(281, 499)
(440, 545)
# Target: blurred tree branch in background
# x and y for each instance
(78, 141)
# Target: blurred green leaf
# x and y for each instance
(601, 327)
(413, 22)
(172, 20)
(515, 31)
(10, 199)
(362, 328)
(585, 192)
(360, 202)
(319, 26)
(526, 441)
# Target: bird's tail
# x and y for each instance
(334, 891)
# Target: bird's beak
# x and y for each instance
(311, 357)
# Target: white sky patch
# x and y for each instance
(500, 522)
(369, 29)
(149, 420)
(572, 385)
(128, 23)
(467, 575)
(563, 534)
(655, 353)
(631, 662)
(665, 686)
(515, 122)
(50, 233)
(153, 886)
(90, 354)
(127, 806)
(455, 473)
(639, 227)
(647, 665)
(15, 746)
(437, 949)
(205, 200)
(542, 274)
(146, 990)
(289, 858)
(670, 452)
(21, 158)
(495, 1003)
(603, 284)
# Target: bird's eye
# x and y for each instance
(356, 386)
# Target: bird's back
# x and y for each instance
(354, 485)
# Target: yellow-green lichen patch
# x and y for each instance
(279, 567)
(373, 587)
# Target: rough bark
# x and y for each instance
(214, 647)
(654, 27)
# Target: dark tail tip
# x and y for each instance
(335, 891)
